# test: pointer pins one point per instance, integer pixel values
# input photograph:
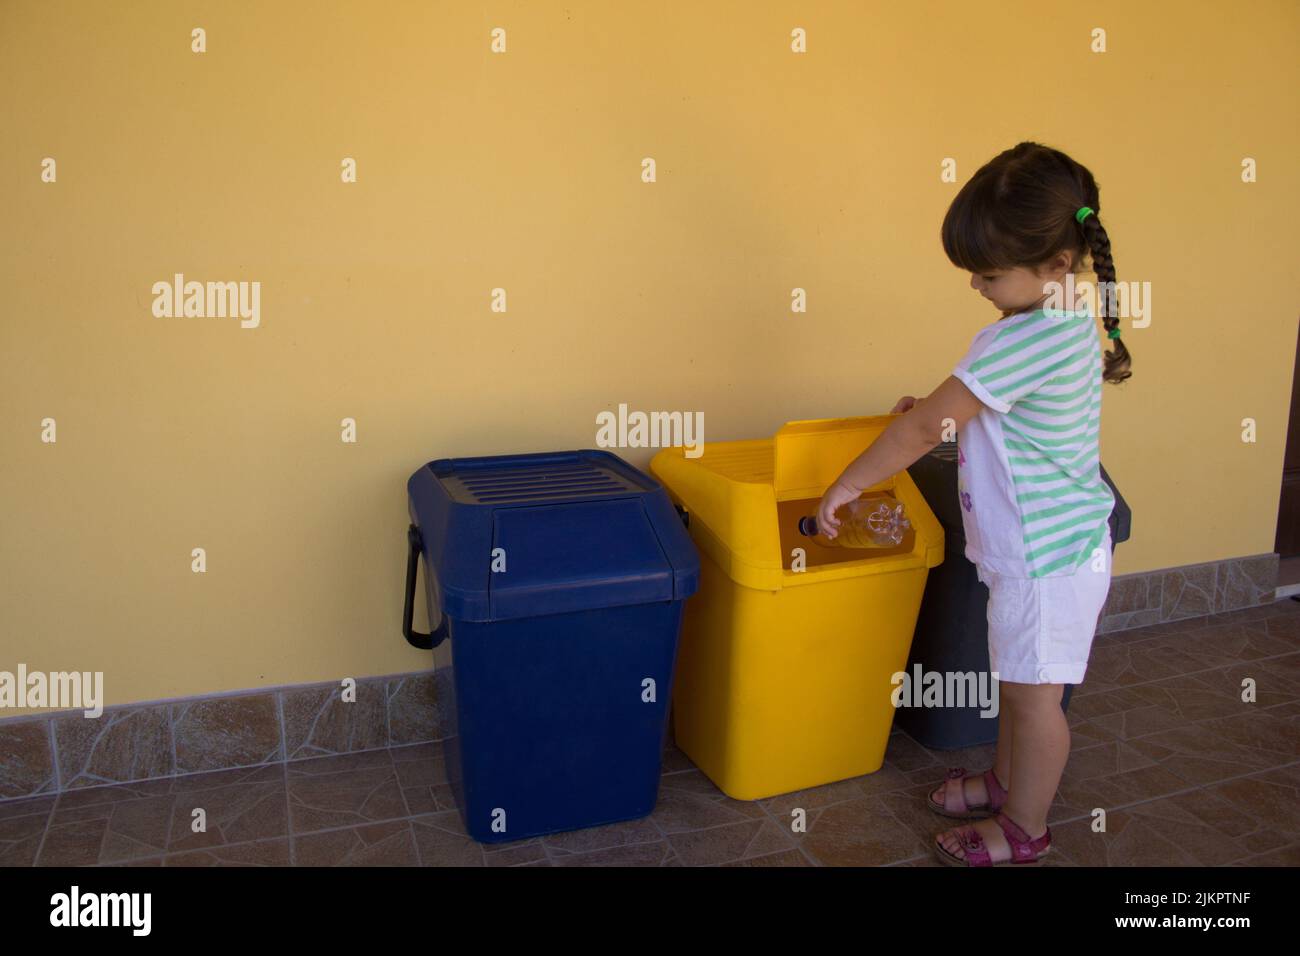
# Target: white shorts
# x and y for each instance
(1041, 629)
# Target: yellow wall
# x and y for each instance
(522, 170)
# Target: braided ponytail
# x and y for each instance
(1020, 209)
(1116, 362)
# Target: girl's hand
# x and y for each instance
(904, 404)
(836, 497)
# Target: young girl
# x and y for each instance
(1025, 401)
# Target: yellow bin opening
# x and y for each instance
(784, 672)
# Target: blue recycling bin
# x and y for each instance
(558, 581)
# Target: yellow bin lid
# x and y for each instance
(731, 491)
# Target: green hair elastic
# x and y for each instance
(1114, 333)
(1083, 213)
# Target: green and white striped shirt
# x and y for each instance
(1033, 500)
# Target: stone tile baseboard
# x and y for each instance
(1194, 590)
(60, 751)
(65, 750)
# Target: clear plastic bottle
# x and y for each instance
(866, 523)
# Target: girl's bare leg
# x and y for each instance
(1042, 746)
(976, 792)
(1039, 736)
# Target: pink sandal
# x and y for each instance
(1024, 851)
(954, 804)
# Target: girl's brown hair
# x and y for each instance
(1018, 210)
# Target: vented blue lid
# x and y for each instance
(566, 531)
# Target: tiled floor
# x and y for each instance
(1188, 774)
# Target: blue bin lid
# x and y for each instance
(579, 529)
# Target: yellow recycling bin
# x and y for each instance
(786, 661)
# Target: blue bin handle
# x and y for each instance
(425, 642)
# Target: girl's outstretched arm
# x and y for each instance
(907, 438)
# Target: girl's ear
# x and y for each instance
(1063, 261)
